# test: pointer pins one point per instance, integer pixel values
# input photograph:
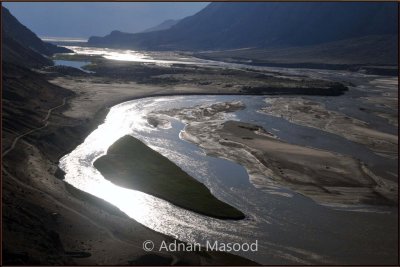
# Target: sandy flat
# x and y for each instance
(324, 176)
(313, 114)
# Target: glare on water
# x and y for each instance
(129, 118)
(129, 55)
(272, 219)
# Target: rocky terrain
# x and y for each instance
(21, 46)
(45, 220)
(48, 111)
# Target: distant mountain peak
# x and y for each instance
(265, 24)
(115, 32)
(165, 25)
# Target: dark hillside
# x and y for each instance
(22, 47)
(268, 24)
(12, 28)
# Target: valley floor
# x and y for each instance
(46, 221)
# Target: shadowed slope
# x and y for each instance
(243, 25)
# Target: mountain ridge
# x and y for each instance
(165, 25)
(23, 47)
(238, 25)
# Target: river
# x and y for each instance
(281, 224)
(290, 228)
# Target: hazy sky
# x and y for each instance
(84, 19)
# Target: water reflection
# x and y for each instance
(274, 220)
(74, 64)
(168, 58)
(128, 118)
(136, 56)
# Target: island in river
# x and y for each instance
(113, 82)
(50, 111)
(84, 226)
(132, 164)
(93, 95)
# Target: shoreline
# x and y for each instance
(324, 176)
(34, 164)
(101, 114)
(70, 125)
(375, 69)
(130, 163)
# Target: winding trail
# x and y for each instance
(50, 110)
(40, 191)
(59, 203)
(16, 139)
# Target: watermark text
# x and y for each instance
(176, 246)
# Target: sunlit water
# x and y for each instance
(167, 58)
(51, 39)
(72, 63)
(163, 59)
(288, 229)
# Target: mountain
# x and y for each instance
(27, 96)
(21, 46)
(264, 24)
(14, 52)
(165, 25)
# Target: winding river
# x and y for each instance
(290, 228)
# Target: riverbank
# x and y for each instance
(71, 226)
(94, 93)
(130, 163)
(77, 231)
(326, 177)
(313, 114)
